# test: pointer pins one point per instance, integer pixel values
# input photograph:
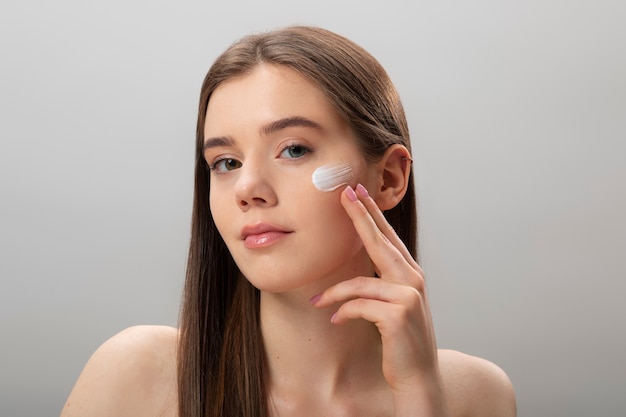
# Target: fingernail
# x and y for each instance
(315, 298)
(332, 318)
(350, 193)
(362, 191)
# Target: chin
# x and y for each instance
(273, 286)
(284, 281)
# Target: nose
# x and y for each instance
(253, 187)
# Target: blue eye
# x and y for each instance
(294, 151)
(225, 165)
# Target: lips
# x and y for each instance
(261, 235)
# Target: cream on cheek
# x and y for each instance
(332, 176)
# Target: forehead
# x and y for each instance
(268, 92)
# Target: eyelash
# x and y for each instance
(214, 164)
(213, 167)
(306, 149)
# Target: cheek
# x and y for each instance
(324, 214)
(213, 206)
(218, 210)
(325, 206)
(333, 234)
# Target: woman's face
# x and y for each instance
(265, 133)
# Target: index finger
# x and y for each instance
(385, 249)
(384, 226)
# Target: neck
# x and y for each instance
(305, 350)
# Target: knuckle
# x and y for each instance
(360, 303)
(381, 236)
(388, 229)
(418, 282)
(413, 299)
(359, 284)
(352, 309)
(401, 313)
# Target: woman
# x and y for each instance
(297, 301)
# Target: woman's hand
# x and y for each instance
(396, 303)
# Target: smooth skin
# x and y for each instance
(339, 341)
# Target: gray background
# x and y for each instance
(518, 117)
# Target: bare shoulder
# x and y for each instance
(476, 386)
(131, 374)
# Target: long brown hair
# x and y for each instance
(221, 359)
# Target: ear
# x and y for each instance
(393, 172)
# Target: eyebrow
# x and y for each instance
(217, 142)
(268, 129)
(293, 121)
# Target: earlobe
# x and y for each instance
(395, 169)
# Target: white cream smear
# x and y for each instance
(331, 177)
